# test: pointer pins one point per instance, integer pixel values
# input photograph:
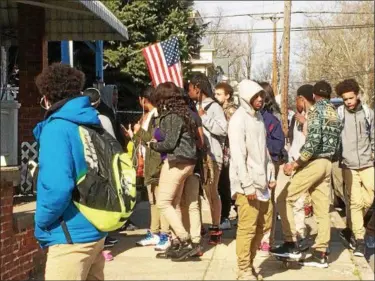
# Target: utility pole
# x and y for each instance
(286, 55)
(274, 61)
(274, 19)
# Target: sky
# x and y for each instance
(264, 41)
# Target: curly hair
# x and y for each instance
(168, 98)
(60, 81)
(346, 86)
(201, 81)
(228, 90)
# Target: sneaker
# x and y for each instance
(287, 250)
(107, 243)
(215, 235)
(308, 211)
(187, 249)
(164, 243)
(265, 247)
(130, 226)
(225, 224)
(111, 240)
(246, 275)
(347, 238)
(359, 250)
(303, 244)
(150, 240)
(370, 242)
(316, 259)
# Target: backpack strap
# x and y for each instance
(207, 107)
(65, 230)
(341, 113)
(366, 111)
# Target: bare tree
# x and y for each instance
(264, 71)
(335, 55)
(238, 48)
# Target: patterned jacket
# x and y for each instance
(323, 133)
(229, 109)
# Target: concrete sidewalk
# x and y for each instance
(219, 263)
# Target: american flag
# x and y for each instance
(163, 61)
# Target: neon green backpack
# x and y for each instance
(106, 194)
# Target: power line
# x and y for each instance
(281, 13)
(300, 28)
(350, 75)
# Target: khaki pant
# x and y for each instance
(299, 215)
(212, 195)
(75, 261)
(341, 190)
(158, 222)
(360, 187)
(254, 220)
(191, 214)
(171, 186)
(314, 178)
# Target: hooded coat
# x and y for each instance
(107, 108)
(61, 165)
(251, 167)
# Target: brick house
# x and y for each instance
(29, 25)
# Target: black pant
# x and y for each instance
(225, 193)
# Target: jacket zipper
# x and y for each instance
(356, 133)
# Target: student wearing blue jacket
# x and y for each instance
(76, 256)
(275, 144)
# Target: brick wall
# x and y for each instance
(19, 250)
(33, 56)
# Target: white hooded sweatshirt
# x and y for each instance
(251, 167)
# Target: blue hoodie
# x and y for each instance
(275, 135)
(61, 163)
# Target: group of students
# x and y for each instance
(194, 143)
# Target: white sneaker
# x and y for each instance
(225, 224)
(150, 239)
(164, 243)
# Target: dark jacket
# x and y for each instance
(179, 145)
(153, 162)
(275, 135)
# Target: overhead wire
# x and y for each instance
(281, 13)
(300, 28)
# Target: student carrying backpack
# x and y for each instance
(85, 184)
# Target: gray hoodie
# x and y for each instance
(215, 127)
(357, 138)
(251, 167)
